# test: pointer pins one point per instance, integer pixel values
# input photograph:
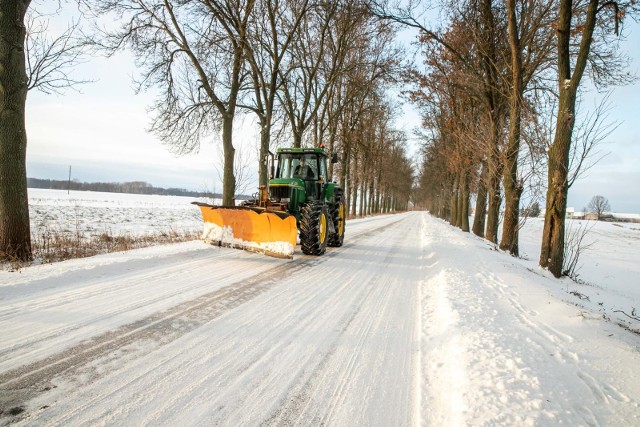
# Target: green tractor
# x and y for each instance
(299, 196)
(300, 186)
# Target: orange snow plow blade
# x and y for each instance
(253, 229)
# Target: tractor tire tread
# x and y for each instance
(310, 241)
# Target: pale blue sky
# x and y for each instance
(617, 175)
(101, 133)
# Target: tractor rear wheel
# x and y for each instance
(313, 228)
(338, 218)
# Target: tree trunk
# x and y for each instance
(459, 196)
(297, 138)
(552, 249)
(354, 200)
(265, 139)
(363, 196)
(481, 203)
(453, 219)
(344, 177)
(464, 205)
(354, 187)
(493, 192)
(15, 232)
(378, 187)
(494, 102)
(445, 204)
(332, 150)
(372, 196)
(228, 177)
(511, 225)
(512, 188)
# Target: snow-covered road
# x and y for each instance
(409, 323)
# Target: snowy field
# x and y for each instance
(609, 269)
(92, 213)
(411, 322)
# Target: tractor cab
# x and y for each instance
(303, 168)
(306, 166)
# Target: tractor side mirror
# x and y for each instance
(334, 158)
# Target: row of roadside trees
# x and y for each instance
(499, 90)
(311, 72)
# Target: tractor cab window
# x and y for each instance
(294, 165)
(323, 169)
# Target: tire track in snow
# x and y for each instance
(80, 363)
(324, 396)
(228, 367)
(23, 383)
(299, 397)
(322, 308)
(99, 298)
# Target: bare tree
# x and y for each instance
(272, 30)
(355, 118)
(530, 47)
(490, 34)
(316, 60)
(29, 59)
(476, 42)
(584, 24)
(468, 60)
(194, 53)
(599, 205)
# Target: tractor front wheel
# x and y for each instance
(314, 232)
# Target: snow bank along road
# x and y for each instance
(409, 323)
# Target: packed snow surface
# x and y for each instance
(411, 322)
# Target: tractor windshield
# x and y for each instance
(298, 165)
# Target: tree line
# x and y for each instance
(133, 187)
(311, 72)
(499, 85)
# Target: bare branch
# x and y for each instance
(50, 60)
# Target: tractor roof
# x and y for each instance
(302, 150)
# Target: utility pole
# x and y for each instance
(69, 182)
